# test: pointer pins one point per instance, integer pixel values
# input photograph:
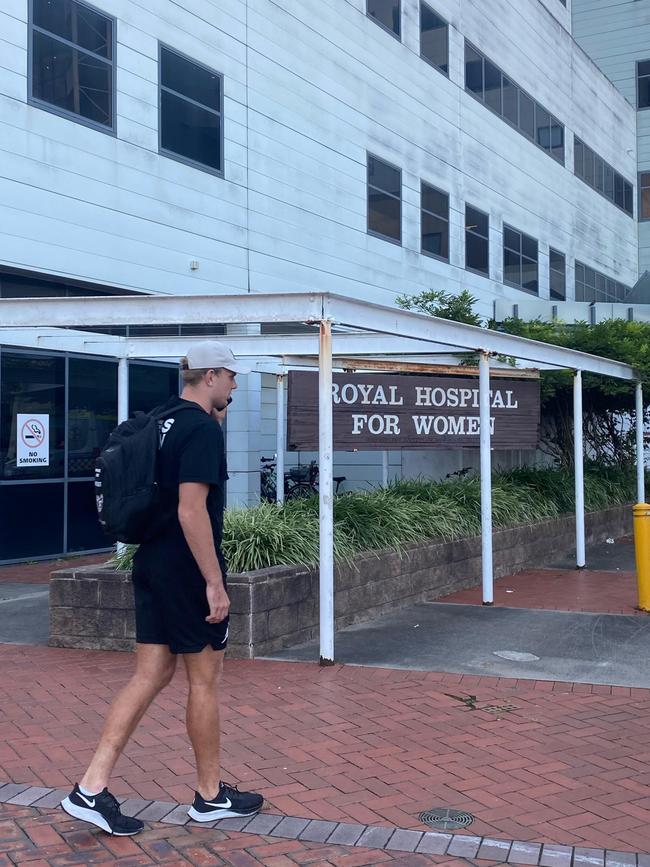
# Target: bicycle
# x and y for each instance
(299, 482)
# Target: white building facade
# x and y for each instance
(366, 147)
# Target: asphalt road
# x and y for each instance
(24, 615)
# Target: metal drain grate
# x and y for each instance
(443, 819)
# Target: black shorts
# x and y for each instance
(171, 603)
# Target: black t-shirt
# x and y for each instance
(191, 450)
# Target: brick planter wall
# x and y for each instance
(92, 606)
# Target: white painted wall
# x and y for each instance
(309, 88)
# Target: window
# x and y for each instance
(643, 83)
(599, 175)
(434, 39)
(434, 215)
(72, 63)
(384, 200)
(387, 14)
(501, 95)
(520, 260)
(644, 196)
(190, 111)
(477, 241)
(591, 285)
(557, 274)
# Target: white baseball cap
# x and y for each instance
(212, 354)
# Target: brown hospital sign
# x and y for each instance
(386, 411)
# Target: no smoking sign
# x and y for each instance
(33, 440)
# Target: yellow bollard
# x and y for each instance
(642, 548)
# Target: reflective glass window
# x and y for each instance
(477, 244)
(72, 64)
(92, 412)
(31, 385)
(32, 520)
(557, 275)
(644, 194)
(434, 38)
(384, 199)
(151, 385)
(386, 13)
(190, 111)
(473, 71)
(643, 83)
(84, 530)
(434, 222)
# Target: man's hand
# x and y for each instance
(218, 602)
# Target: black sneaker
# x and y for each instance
(228, 802)
(102, 810)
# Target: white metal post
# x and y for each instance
(325, 494)
(579, 474)
(486, 480)
(640, 457)
(279, 440)
(384, 469)
(122, 411)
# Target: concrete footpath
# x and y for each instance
(550, 772)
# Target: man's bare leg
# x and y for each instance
(202, 717)
(155, 666)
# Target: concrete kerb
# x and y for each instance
(378, 837)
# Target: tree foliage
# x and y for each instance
(608, 404)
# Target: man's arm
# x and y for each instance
(195, 523)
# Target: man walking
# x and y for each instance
(181, 601)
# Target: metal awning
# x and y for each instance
(344, 328)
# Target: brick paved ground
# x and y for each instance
(568, 764)
(39, 571)
(561, 589)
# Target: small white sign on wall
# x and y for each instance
(32, 440)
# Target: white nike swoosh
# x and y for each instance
(87, 800)
(225, 806)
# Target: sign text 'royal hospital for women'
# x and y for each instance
(388, 411)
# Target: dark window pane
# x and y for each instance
(84, 530)
(526, 115)
(644, 91)
(629, 197)
(578, 158)
(510, 101)
(435, 201)
(511, 239)
(492, 87)
(645, 204)
(190, 79)
(580, 272)
(32, 520)
(477, 221)
(72, 80)
(476, 253)
(151, 385)
(433, 38)
(619, 190)
(599, 169)
(589, 167)
(32, 385)
(190, 131)
(435, 235)
(385, 177)
(511, 267)
(644, 67)
(608, 183)
(557, 140)
(542, 127)
(529, 247)
(77, 24)
(611, 289)
(473, 71)
(557, 275)
(590, 277)
(529, 280)
(386, 12)
(384, 214)
(92, 403)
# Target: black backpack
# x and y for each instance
(127, 492)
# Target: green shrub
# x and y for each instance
(405, 512)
